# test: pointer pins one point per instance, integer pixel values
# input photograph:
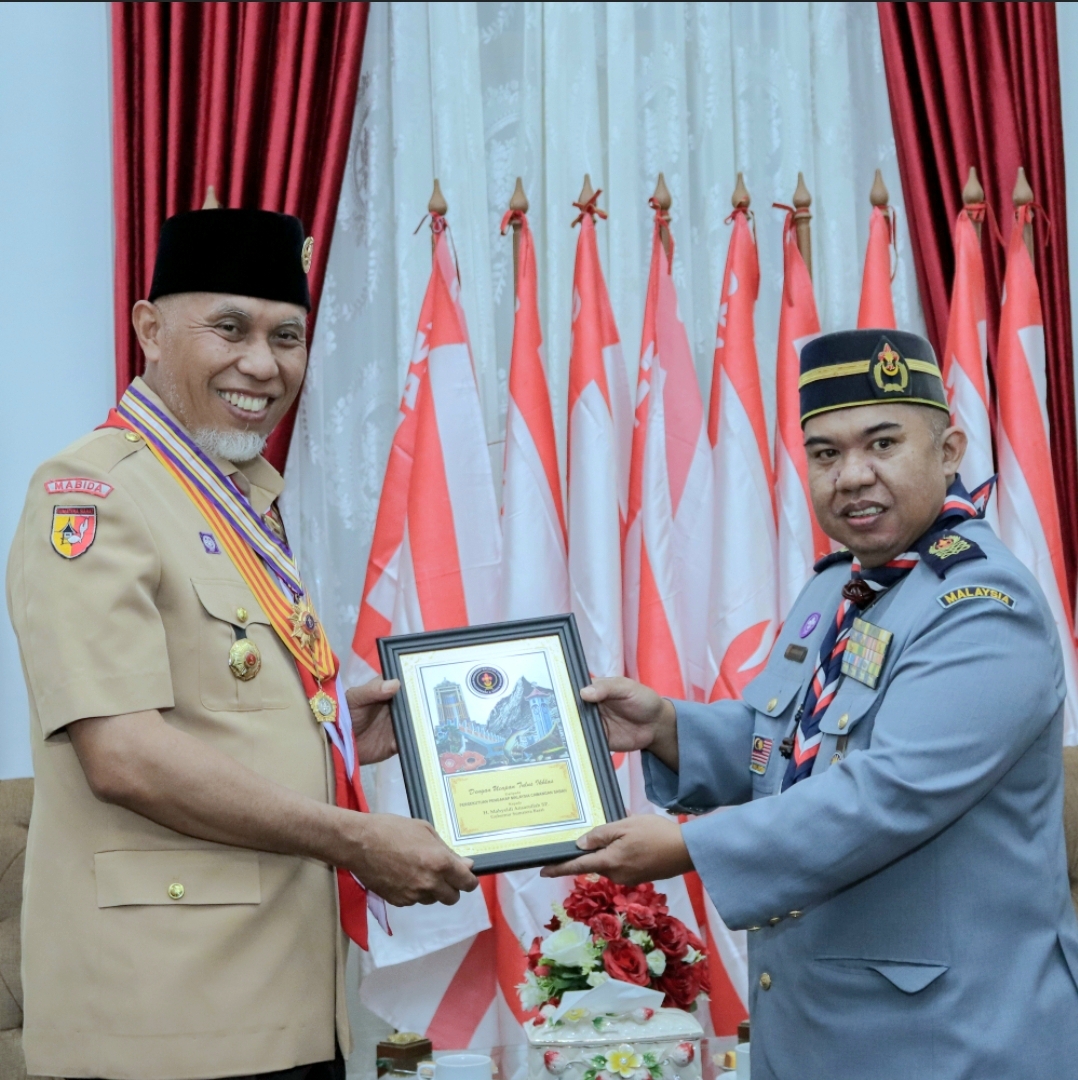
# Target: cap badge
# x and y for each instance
(890, 371)
(307, 254)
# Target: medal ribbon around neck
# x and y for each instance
(257, 554)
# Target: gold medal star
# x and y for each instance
(305, 628)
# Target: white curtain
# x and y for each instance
(477, 94)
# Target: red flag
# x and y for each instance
(600, 434)
(801, 541)
(877, 308)
(535, 578)
(668, 542)
(1028, 513)
(743, 615)
(965, 356)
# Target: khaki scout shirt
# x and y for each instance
(243, 973)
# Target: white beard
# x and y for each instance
(230, 445)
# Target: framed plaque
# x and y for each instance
(499, 752)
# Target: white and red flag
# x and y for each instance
(1028, 512)
(535, 578)
(600, 438)
(877, 307)
(965, 356)
(668, 538)
(434, 564)
(743, 617)
(801, 541)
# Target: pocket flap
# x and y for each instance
(769, 695)
(846, 711)
(223, 600)
(909, 978)
(184, 876)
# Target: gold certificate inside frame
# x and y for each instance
(501, 745)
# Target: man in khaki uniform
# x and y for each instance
(181, 915)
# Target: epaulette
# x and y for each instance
(842, 555)
(942, 551)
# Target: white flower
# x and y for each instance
(641, 938)
(597, 978)
(569, 946)
(531, 993)
(656, 961)
(693, 956)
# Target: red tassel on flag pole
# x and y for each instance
(877, 306)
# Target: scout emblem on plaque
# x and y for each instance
(866, 649)
(73, 529)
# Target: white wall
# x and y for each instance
(56, 360)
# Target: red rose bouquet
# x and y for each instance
(606, 931)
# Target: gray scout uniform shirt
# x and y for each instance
(907, 904)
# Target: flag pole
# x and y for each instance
(518, 201)
(803, 221)
(437, 205)
(1023, 196)
(663, 201)
(972, 194)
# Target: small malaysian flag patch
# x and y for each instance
(866, 649)
(761, 754)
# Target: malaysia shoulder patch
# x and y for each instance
(976, 592)
(761, 754)
(946, 550)
(73, 530)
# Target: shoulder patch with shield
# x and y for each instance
(73, 530)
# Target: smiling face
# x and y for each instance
(878, 474)
(229, 367)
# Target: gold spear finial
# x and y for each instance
(879, 195)
(1023, 193)
(518, 200)
(587, 192)
(437, 204)
(662, 196)
(740, 198)
(211, 202)
(972, 192)
(803, 220)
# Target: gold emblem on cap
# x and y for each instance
(307, 254)
(244, 659)
(890, 371)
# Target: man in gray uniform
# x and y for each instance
(895, 847)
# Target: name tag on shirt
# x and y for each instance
(866, 649)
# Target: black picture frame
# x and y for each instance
(392, 649)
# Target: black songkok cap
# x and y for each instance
(868, 367)
(243, 252)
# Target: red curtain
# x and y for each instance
(255, 99)
(978, 85)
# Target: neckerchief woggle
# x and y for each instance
(863, 589)
(266, 565)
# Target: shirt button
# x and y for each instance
(175, 891)
(774, 920)
(752, 928)
(765, 981)
(131, 436)
(241, 614)
(843, 720)
(771, 704)
(796, 914)
(836, 758)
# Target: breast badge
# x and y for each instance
(761, 754)
(73, 529)
(244, 659)
(865, 652)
